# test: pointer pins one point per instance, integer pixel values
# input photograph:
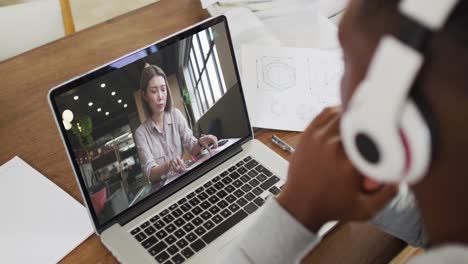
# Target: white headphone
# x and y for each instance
(383, 132)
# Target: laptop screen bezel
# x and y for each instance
(151, 200)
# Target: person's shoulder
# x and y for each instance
(142, 128)
(175, 111)
(176, 114)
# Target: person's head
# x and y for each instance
(442, 84)
(155, 91)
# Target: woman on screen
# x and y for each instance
(163, 137)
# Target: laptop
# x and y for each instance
(191, 215)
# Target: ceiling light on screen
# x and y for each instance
(99, 109)
(76, 97)
(103, 85)
(67, 125)
(90, 104)
(107, 113)
(125, 105)
(119, 101)
(113, 93)
(67, 115)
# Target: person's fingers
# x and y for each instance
(371, 203)
(325, 116)
(171, 165)
(181, 163)
(177, 163)
(215, 142)
(332, 127)
(206, 146)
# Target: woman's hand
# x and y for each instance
(206, 140)
(322, 183)
(176, 165)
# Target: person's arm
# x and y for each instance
(153, 170)
(193, 145)
(275, 237)
(204, 143)
(322, 185)
(186, 135)
(147, 160)
(158, 173)
(399, 218)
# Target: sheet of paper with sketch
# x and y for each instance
(285, 88)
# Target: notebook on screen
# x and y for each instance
(163, 151)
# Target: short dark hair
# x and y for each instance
(148, 73)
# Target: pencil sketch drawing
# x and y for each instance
(276, 73)
(324, 73)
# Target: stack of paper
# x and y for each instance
(291, 63)
(40, 222)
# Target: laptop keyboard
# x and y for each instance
(188, 225)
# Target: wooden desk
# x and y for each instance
(28, 130)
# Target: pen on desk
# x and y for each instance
(285, 146)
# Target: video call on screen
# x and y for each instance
(103, 117)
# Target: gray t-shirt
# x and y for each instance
(156, 147)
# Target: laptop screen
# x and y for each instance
(138, 125)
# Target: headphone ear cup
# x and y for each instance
(373, 144)
(389, 152)
(416, 137)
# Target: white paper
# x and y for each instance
(285, 88)
(332, 7)
(207, 3)
(246, 28)
(304, 29)
(281, 8)
(40, 222)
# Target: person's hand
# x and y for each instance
(322, 183)
(177, 165)
(206, 140)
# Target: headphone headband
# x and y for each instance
(432, 15)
